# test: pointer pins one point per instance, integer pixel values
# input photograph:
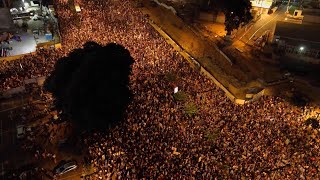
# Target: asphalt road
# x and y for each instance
(266, 23)
(7, 130)
(8, 139)
(11, 155)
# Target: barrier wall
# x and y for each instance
(166, 6)
(205, 16)
(10, 92)
(38, 80)
(224, 55)
(44, 45)
(227, 92)
(195, 63)
(11, 58)
(30, 81)
(257, 95)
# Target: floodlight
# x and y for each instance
(301, 48)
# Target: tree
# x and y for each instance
(237, 12)
(313, 122)
(91, 85)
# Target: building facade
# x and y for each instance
(261, 6)
(299, 40)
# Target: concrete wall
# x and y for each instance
(205, 16)
(166, 6)
(227, 92)
(9, 93)
(195, 64)
(11, 58)
(13, 91)
(45, 45)
(220, 17)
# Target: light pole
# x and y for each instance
(288, 7)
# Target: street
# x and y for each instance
(8, 141)
(13, 155)
(266, 23)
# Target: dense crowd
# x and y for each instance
(262, 139)
(14, 73)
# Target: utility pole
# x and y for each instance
(288, 7)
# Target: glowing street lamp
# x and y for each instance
(301, 48)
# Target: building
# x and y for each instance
(311, 15)
(312, 3)
(261, 6)
(298, 40)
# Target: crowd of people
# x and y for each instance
(14, 73)
(263, 139)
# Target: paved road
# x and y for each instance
(7, 129)
(8, 140)
(266, 23)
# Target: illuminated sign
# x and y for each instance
(261, 3)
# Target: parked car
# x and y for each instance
(20, 131)
(65, 166)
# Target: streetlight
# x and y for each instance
(301, 48)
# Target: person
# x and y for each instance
(222, 140)
(54, 158)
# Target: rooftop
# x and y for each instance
(309, 11)
(302, 32)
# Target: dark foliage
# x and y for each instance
(313, 122)
(237, 12)
(91, 84)
(298, 99)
